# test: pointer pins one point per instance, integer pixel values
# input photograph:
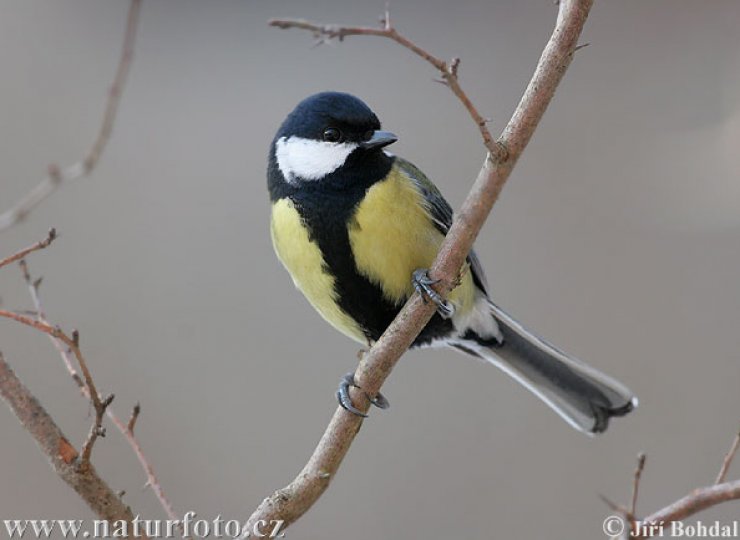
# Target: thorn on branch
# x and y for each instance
(579, 47)
(641, 457)
(134, 417)
(728, 460)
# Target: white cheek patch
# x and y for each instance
(307, 159)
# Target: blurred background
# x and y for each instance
(617, 237)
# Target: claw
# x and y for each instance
(345, 401)
(422, 283)
(379, 401)
(343, 395)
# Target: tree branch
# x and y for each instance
(448, 71)
(641, 458)
(62, 455)
(728, 460)
(126, 429)
(55, 175)
(693, 503)
(100, 405)
(41, 244)
(295, 499)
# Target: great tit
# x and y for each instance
(356, 227)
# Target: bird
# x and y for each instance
(357, 228)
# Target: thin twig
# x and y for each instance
(63, 457)
(132, 420)
(387, 30)
(728, 460)
(614, 506)
(41, 244)
(693, 503)
(641, 457)
(127, 430)
(696, 501)
(96, 430)
(291, 502)
(55, 175)
(99, 405)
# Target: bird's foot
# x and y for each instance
(347, 382)
(422, 283)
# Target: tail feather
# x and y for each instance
(583, 396)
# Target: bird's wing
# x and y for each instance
(440, 213)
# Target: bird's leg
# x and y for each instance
(347, 382)
(422, 283)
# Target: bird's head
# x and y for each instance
(321, 134)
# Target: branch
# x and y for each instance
(448, 71)
(293, 501)
(55, 175)
(62, 455)
(641, 458)
(30, 249)
(100, 405)
(696, 501)
(126, 429)
(728, 460)
(693, 503)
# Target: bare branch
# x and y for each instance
(55, 175)
(448, 71)
(696, 501)
(294, 500)
(151, 477)
(641, 457)
(96, 430)
(73, 343)
(614, 506)
(693, 503)
(30, 249)
(125, 429)
(134, 417)
(62, 455)
(728, 460)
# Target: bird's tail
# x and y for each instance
(583, 396)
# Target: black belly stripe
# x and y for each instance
(327, 206)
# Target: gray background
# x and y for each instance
(617, 238)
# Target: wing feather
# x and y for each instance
(441, 214)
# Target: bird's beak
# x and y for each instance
(379, 140)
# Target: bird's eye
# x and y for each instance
(332, 135)
(368, 135)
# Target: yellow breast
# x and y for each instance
(305, 263)
(392, 235)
